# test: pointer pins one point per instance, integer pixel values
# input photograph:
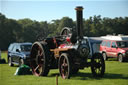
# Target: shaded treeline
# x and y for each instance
(27, 30)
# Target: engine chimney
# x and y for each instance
(79, 25)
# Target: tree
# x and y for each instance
(27, 30)
(30, 29)
(65, 22)
(9, 31)
(87, 26)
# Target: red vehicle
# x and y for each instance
(114, 48)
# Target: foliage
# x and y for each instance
(65, 22)
(10, 31)
(27, 30)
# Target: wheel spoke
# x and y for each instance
(41, 53)
(64, 61)
(99, 71)
(39, 61)
(42, 59)
(63, 71)
(98, 63)
(36, 68)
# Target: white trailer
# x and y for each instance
(114, 37)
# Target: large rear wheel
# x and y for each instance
(39, 59)
(98, 65)
(65, 66)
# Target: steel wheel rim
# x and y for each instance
(98, 66)
(64, 68)
(37, 62)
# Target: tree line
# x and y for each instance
(27, 30)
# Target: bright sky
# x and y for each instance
(47, 10)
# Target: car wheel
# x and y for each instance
(120, 58)
(10, 61)
(21, 62)
(105, 56)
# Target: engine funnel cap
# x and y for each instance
(79, 8)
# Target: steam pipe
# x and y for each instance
(79, 25)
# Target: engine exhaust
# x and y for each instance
(79, 25)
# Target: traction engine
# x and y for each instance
(69, 52)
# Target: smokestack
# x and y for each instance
(79, 25)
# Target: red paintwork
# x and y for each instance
(68, 39)
(62, 45)
(67, 45)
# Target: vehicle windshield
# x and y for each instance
(122, 44)
(26, 48)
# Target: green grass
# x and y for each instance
(116, 74)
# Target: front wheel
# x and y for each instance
(65, 66)
(120, 58)
(98, 65)
(21, 62)
(105, 56)
(10, 62)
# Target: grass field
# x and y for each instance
(116, 74)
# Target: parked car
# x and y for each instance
(114, 48)
(19, 53)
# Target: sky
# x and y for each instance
(47, 10)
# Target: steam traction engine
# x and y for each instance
(69, 52)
